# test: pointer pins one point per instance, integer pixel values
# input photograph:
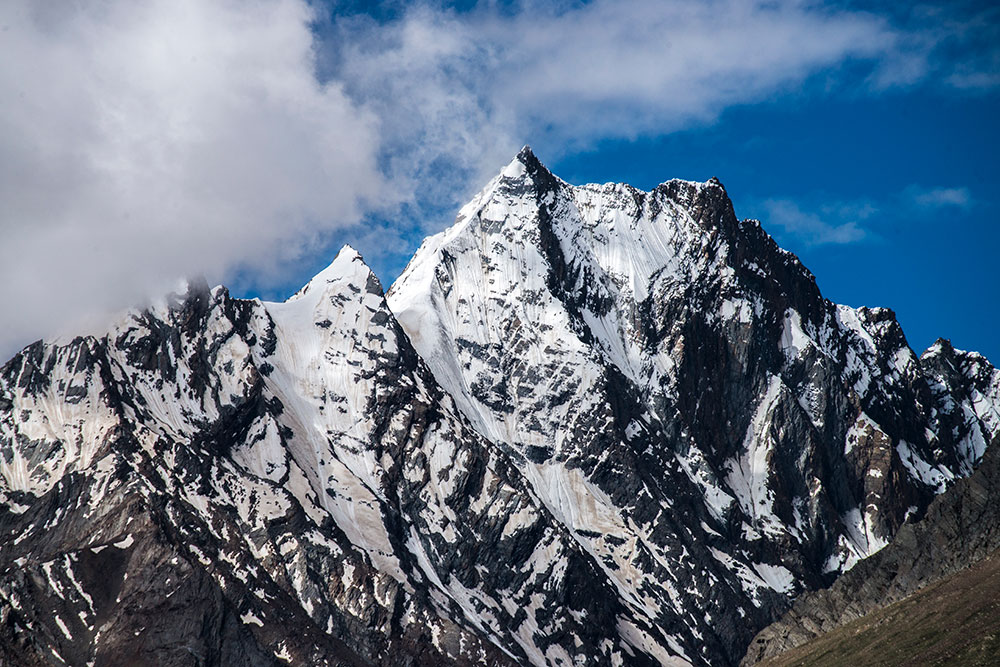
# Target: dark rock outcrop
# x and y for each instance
(961, 528)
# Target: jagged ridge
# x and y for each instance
(590, 424)
(960, 530)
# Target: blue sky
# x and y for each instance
(145, 142)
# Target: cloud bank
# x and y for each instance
(146, 141)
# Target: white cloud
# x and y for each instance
(147, 141)
(611, 70)
(933, 198)
(839, 224)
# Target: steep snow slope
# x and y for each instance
(717, 434)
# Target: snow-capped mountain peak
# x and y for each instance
(607, 334)
(587, 425)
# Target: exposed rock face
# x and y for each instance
(961, 528)
(592, 425)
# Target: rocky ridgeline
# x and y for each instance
(587, 425)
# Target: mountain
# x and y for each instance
(284, 482)
(587, 425)
(713, 431)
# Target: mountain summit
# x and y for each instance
(587, 425)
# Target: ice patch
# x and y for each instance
(249, 618)
(62, 626)
(936, 477)
(794, 340)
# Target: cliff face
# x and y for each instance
(587, 425)
(961, 530)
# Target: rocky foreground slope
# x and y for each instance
(588, 425)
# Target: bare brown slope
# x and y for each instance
(953, 622)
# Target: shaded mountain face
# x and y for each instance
(944, 573)
(588, 425)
